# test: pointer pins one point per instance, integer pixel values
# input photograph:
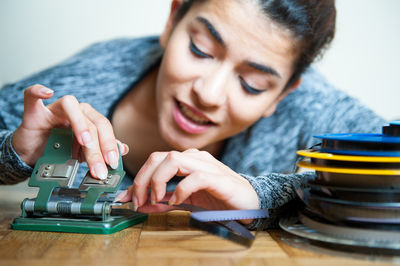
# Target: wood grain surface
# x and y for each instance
(164, 239)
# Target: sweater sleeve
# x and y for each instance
(12, 168)
(275, 191)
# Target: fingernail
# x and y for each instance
(87, 139)
(126, 148)
(101, 171)
(172, 200)
(134, 203)
(46, 91)
(112, 159)
(121, 195)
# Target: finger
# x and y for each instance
(68, 108)
(150, 208)
(191, 184)
(156, 208)
(94, 156)
(124, 149)
(128, 195)
(33, 103)
(36, 92)
(124, 196)
(85, 133)
(175, 163)
(143, 177)
(105, 132)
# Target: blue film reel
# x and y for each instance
(386, 144)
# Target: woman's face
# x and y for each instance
(225, 66)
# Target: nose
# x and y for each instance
(210, 88)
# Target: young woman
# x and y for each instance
(223, 98)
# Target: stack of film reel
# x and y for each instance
(354, 200)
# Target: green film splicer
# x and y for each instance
(59, 207)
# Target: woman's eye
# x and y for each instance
(248, 88)
(196, 51)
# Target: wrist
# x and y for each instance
(257, 191)
(27, 145)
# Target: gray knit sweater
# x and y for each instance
(265, 154)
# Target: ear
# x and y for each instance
(272, 108)
(171, 22)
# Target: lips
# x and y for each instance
(189, 119)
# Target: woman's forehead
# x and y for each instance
(245, 29)
(241, 19)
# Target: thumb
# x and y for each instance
(33, 104)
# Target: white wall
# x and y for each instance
(363, 59)
(365, 55)
(35, 34)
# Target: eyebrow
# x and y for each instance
(265, 69)
(217, 36)
(212, 30)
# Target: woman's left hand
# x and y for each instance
(207, 183)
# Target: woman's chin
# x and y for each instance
(182, 144)
(180, 141)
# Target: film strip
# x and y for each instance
(223, 223)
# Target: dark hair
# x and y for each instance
(312, 23)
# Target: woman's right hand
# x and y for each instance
(93, 132)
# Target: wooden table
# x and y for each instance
(165, 239)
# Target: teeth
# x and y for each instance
(192, 116)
